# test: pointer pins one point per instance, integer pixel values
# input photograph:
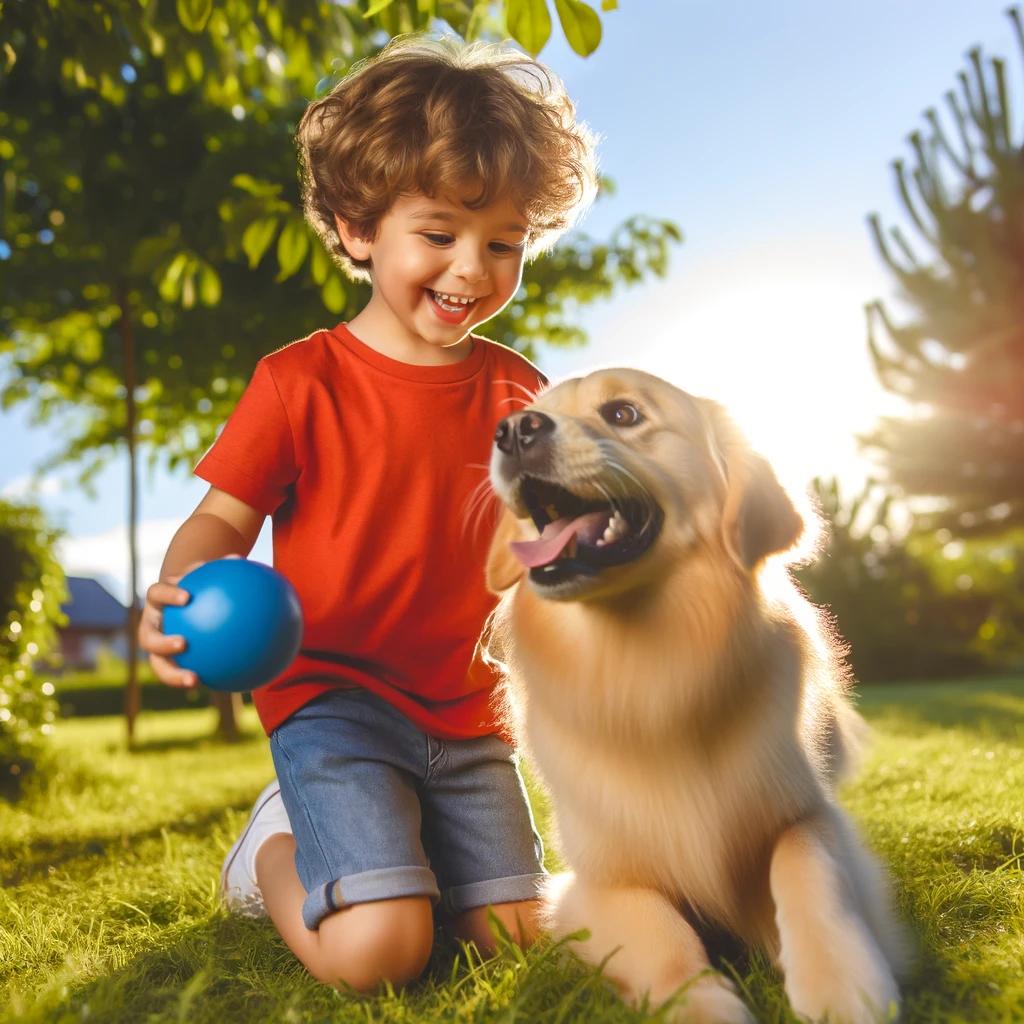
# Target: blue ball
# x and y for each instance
(242, 624)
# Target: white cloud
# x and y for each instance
(104, 556)
(30, 488)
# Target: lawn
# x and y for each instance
(108, 909)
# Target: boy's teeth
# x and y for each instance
(452, 298)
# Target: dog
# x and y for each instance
(689, 721)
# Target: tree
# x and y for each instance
(32, 587)
(960, 356)
(149, 194)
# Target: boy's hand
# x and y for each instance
(162, 648)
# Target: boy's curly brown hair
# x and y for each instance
(426, 113)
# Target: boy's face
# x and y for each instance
(439, 269)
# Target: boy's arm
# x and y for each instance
(220, 526)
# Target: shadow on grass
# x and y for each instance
(205, 741)
(229, 969)
(219, 969)
(942, 984)
(990, 707)
(27, 863)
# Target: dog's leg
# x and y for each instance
(653, 951)
(872, 886)
(833, 966)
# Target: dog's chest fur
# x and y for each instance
(664, 807)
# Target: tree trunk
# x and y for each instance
(132, 695)
(228, 706)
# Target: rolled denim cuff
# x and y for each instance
(513, 889)
(367, 887)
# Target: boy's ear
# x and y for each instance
(355, 245)
(503, 568)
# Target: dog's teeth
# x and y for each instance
(617, 527)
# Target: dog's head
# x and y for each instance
(613, 479)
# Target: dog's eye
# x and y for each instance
(620, 414)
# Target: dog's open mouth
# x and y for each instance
(581, 536)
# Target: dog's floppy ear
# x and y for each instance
(758, 517)
(503, 568)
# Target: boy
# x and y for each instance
(431, 171)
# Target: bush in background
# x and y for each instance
(32, 588)
(907, 608)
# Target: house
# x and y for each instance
(96, 620)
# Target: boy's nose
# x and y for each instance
(469, 266)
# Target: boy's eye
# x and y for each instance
(505, 248)
(498, 248)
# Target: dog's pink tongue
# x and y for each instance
(554, 538)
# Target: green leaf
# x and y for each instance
(257, 238)
(177, 80)
(255, 186)
(333, 294)
(209, 285)
(292, 246)
(581, 25)
(319, 264)
(529, 23)
(194, 14)
(609, 5)
(194, 64)
(274, 21)
(170, 284)
(188, 286)
(376, 7)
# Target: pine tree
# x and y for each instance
(959, 355)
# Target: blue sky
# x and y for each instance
(766, 131)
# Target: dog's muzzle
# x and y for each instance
(580, 536)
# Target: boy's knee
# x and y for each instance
(371, 943)
(521, 920)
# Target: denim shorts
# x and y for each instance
(382, 810)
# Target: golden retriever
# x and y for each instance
(688, 724)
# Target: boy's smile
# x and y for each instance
(439, 269)
(452, 309)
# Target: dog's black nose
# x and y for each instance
(522, 430)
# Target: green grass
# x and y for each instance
(108, 908)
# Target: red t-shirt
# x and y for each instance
(375, 474)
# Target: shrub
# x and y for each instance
(880, 585)
(32, 587)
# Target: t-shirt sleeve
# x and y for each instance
(253, 459)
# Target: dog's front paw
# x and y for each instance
(709, 1001)
(846, 998)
